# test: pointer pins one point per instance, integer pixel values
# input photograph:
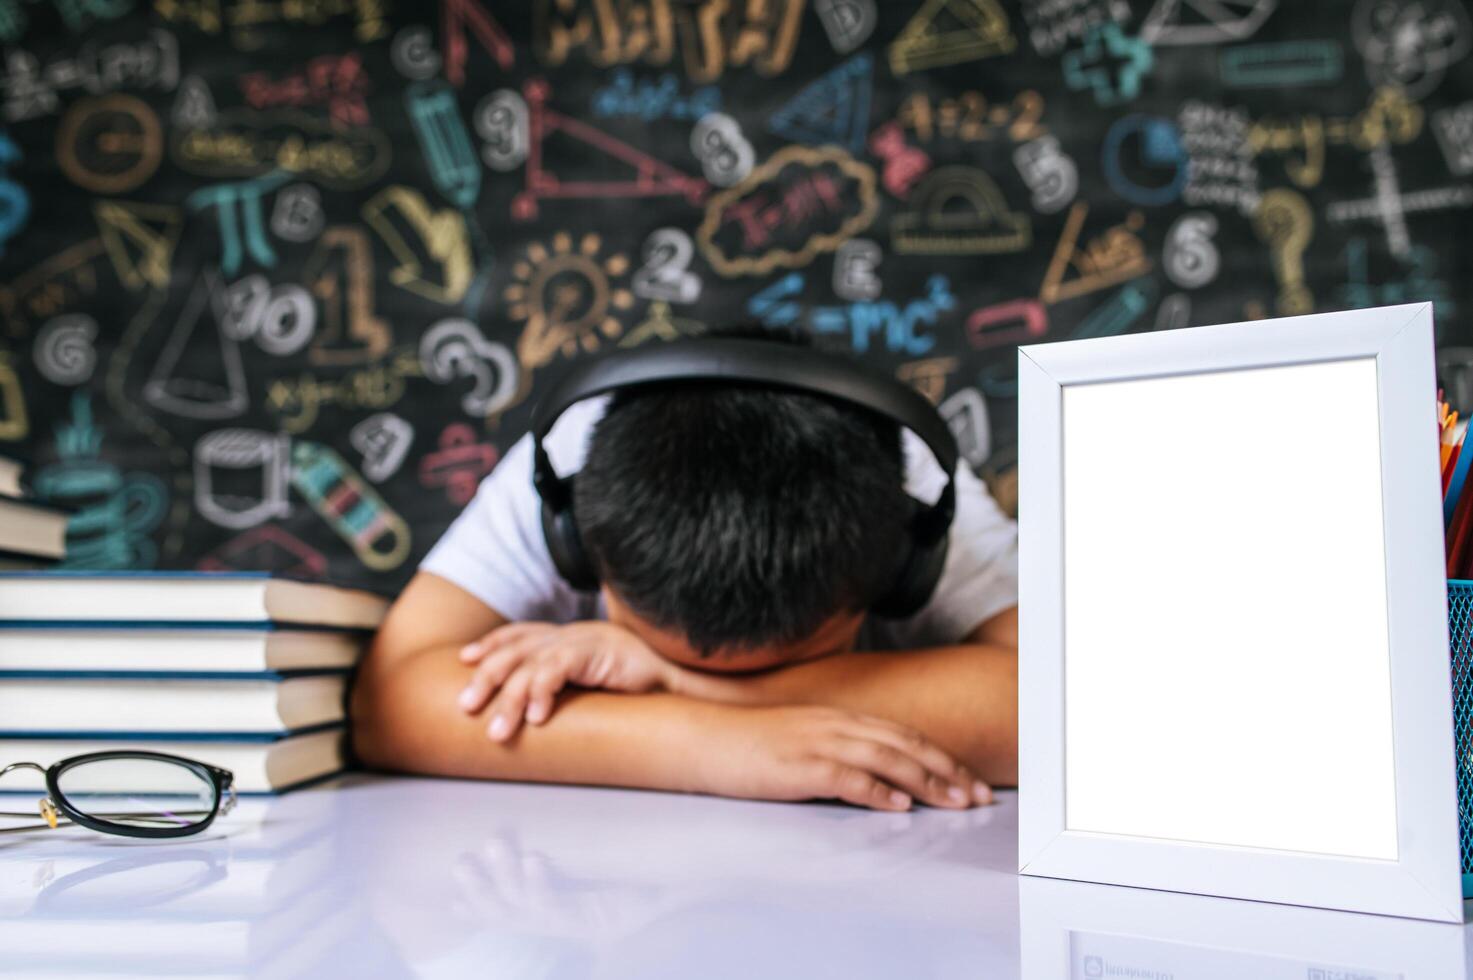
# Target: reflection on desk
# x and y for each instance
(379, 877)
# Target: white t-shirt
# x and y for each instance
(495, 549)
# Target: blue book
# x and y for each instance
(183, 597)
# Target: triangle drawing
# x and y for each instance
(949, 32)
(139, 239)
(832, 109)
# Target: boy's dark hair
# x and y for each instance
(738, 515)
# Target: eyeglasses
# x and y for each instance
(135, 794)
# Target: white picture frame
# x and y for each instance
(1081, 820)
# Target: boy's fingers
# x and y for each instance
(901, 770)
(509, 706)
(500, 637)
(856, 786)
(546, 683)
(934, 758)
(488, 676)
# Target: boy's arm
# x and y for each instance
(963, 697)
(405, 717)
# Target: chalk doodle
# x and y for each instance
(240, 477)
(802, 201)
(848, 23)
(967, 117)
(1014, 322)
(928, 376)
(666, 273)
(353, 509)
(897, 327)
(458, 464)
(1417, 283)
(1389, 206)
(1389, 118)
(66, 280)
(199, 374)
(384, 440)
(32, 90)
(432, 247)
(337, 82)
(113, 514)
(297, 215)
(15, 203)
(194, 106)
(951, 32)
(297, 402)
(340, 275)
(1112, 257)
(267, 548)
(1174, 22)
(1049, 172)
(248, 143)
(1191, 260)
(959, 211)
(501, 120)
(252, 23)
(413, 53)
(649, 100)
(445, 143)
(711, 35)
(1052, 24)
(966, 415)
(726, 156)
(903, 165)
(140, 241)
(1455, 375)
(1411, 43)
(1144, 160)
(1282, 63)
(1118, 313)
(1174, 312)
(651, 178)
(455, 349)
(64, 350)
(110, 144)
(1110, 65)
(1454, 130)
(833, 109)
(1285, 223)
(1221, 170)
(660, 324)
(568, 297)
(280, 318)
(856, 275)
(15, 421)
(237, 209)
(455, 17)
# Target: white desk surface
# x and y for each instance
(379, 877)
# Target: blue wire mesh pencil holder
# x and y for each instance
(1460, 640)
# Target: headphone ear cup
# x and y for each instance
(565, 546)
(916, 581)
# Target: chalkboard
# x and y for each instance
(282, 279)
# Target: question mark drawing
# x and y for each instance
(1285, 223)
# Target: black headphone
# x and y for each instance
(769, 364)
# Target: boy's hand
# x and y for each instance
(525, 665)
(803, 753)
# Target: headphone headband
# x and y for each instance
(759, 362)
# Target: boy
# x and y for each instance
(739, 534)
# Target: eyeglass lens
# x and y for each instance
(138, 792)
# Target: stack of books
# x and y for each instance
(32, 535)
(239, 670)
